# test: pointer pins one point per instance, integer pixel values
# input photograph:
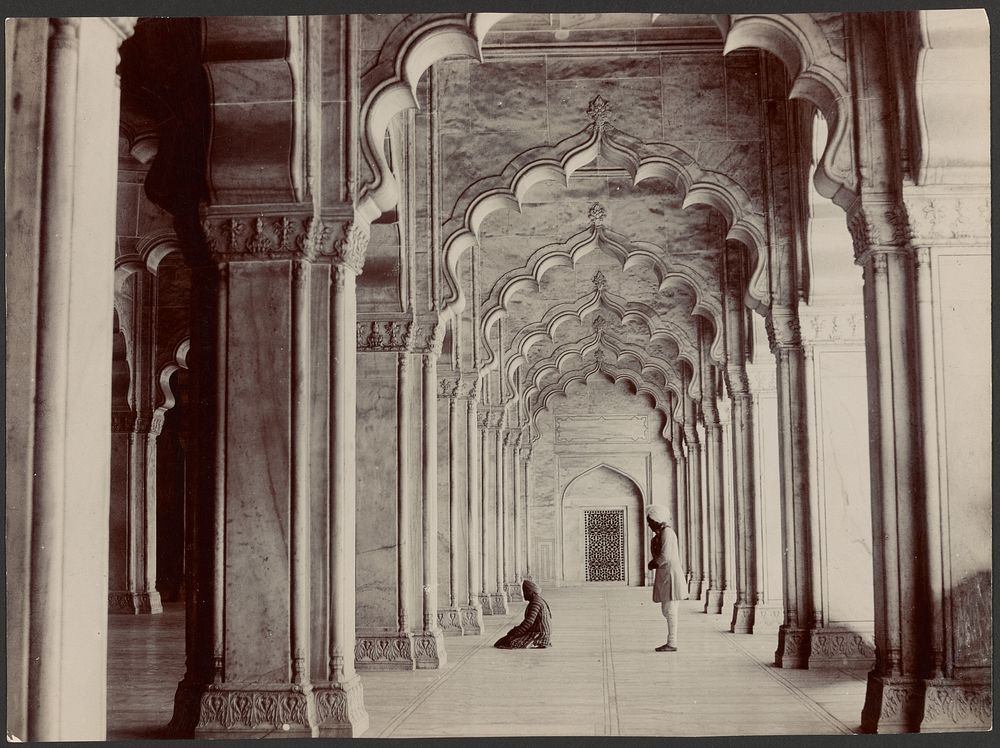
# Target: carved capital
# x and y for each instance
(449, 388)
(386, 336)
(350, 249)
(878, 222)
(483, 419)
(782, 325)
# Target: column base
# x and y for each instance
(256, 710)
(715, 599)
(499, 604)
(694, 589)
(892, 704)
(134, 603)
(514, 593)
(743, 619)
(340, 708)
(187, 699)
(841, 647)
(793, 648)
(450, 621)
(767, 618)
(389, 651)
(428, 649)
(472, 620)
(955, 706)
(486, 604)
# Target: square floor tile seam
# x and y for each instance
(799, 694)
(451, 670)
(612, 722)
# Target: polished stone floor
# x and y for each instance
(602, 677)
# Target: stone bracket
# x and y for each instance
(840, 647)
(514, 593)
(472, 620)
(450, 621)
(428, 649)
(486, 604)
(234, 710)
(955, 706)
(498, 604)
(391, 651)
(892, 705)
(793, 647)
(340, 709)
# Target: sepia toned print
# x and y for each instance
(343, 348)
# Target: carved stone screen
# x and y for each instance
(604, 545)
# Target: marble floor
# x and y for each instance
(601, 677)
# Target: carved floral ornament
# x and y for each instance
(833, 327)
(392, 335)
(270, 237)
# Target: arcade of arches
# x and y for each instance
(332, 329)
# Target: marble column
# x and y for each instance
(500, 598)
(483, 477)
(745, 499)
(428, 642)
(695, 584)
(680, 481)
(472, 610)
(794, 635)
(512, 571)
(450, 616)
(132, 553)
(926, 273)
(132, 568)
(255, 491)
(404, 491)
(526, 467)
(61, 160)
(715, 534)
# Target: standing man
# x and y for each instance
(668, 584)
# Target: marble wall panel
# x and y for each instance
(770, 552)
(694, 97)
(319, 470)
(844, 487)
(376, 491)
(742, 96)
(591, 68)
(636, 103)
(257, 471)
(962, 286)
(508, 96)
(452, 81)
(415, 538)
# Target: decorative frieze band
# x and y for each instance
(386, 336)
(843, 327)
(276, 708)
(384, 652)
(276, 236)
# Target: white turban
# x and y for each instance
(658, 513)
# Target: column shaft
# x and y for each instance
(403, 490)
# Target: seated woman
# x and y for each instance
(536, 629)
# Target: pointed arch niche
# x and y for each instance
(598, 447)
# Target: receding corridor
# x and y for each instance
(600, 678)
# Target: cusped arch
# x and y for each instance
(167, 397)
(817, 66)
(609, 468)
(630, 254)
(744, 221)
